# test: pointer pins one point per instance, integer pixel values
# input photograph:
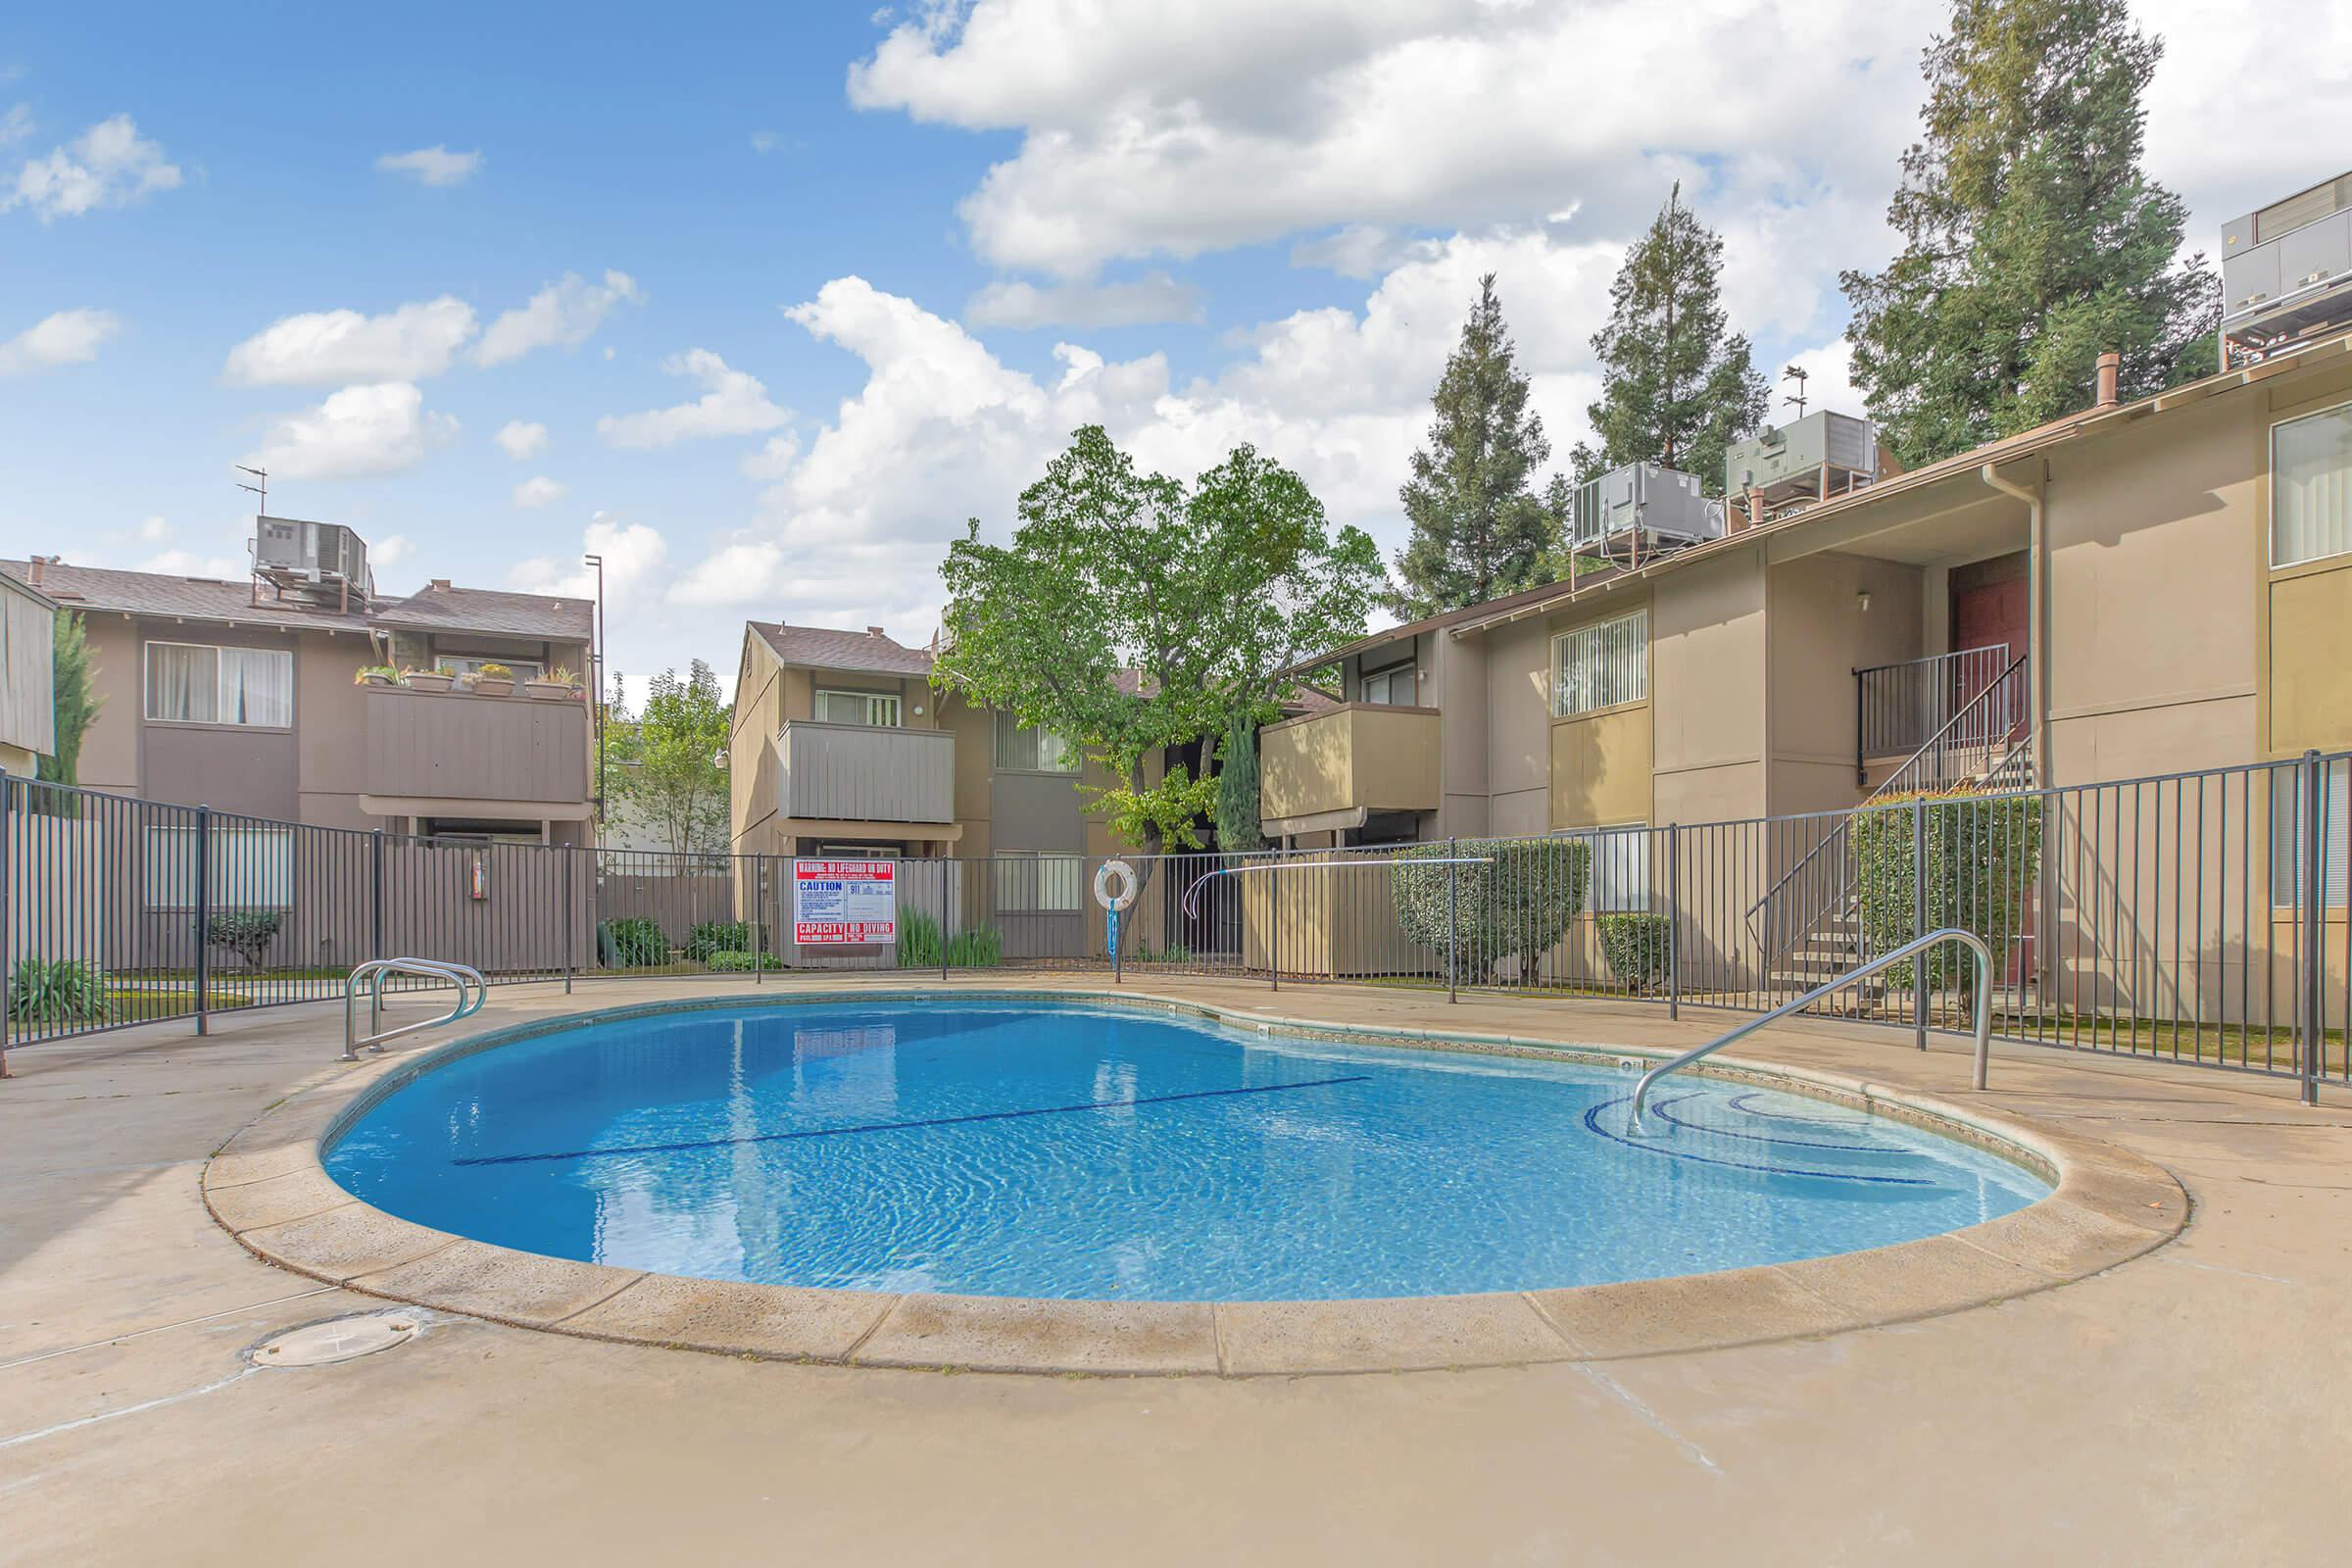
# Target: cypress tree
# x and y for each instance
(1479, 530)
(1677, 385)
(2033, 240)
(1235, 811)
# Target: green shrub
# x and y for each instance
(633, 942)
(1517, 905)
(726, 960)
(711, 937)
(60, 990)
(978, 946)
(1638, 948)
(247, 933)
(1982, 853)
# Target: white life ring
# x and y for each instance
(1125, 874)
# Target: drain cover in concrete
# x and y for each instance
(342, 1338)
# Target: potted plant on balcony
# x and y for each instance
(493, 680)
(556, 685)
(375, 675)
(436, 679)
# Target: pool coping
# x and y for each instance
(268, 1187)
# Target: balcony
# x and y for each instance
(456, 754)
(1330, 771)
(853, 773)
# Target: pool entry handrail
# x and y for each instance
(1968, 939)
(373, 972)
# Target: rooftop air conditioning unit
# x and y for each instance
(2286, 271)
(1806, 461)
(315, 555)
(1642, 509)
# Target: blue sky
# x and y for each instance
(813, 284)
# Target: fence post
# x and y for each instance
(204, 899)
(375, 893)
(1920, 969)
(1454, 964)
(1274, 920)
(1674, 920)
(7, 888)
(570, 920)
(2310, 917)
(758, 919)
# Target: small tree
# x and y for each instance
(1237, 813)
(666, 772)
(1677, 384)
(1478, 531)
(1518, 905)
(75, 705)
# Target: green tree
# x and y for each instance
(1132, 614)
(74, 704)
(664, 770)
(1478, 531)
(2033, 241)
(1676, 383)
(1237, 813)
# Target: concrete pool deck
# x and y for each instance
(2179, 1406)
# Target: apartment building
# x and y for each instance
(2141, 588)
(841, 749)
(240, 696)
(27, 696)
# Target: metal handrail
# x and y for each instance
(1191, 894)
(374, 972)
(1969, 939)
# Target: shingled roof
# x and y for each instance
(869, 651)
(440, 607)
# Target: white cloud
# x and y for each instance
(565, 312)
(391, 550)
(322, 348)
(193, 563)
(1146, 301)
(15, 125)
(358, 431)
(68, 337)
(110, 165)
(734, 403)
(521, 440)
(153, 530)
(432, 166)
(635, 558)
(540, 491)
(774, 459)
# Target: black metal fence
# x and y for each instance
(2176, 916)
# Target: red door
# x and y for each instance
(1990, 611)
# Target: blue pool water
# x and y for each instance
(1026, 1148)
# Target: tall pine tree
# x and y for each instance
(1478, 531)
(1677, 385)
(2033, 241)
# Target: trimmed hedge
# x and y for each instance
(727, 960)
(1638, 947)
(1516, 906)
(1984, 854)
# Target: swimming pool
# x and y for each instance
(1020, 1147)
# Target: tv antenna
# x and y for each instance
(261, 489)
(1797, 373)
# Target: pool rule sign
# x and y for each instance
(845, 901)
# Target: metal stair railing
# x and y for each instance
(1968, 939)
(374, 972)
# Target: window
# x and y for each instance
(1032, 751)
(1390, 687)
(1620, 869)
(1040, 883)
(192, 683)
(2286, 833)
(1600, 665)
(873, 708)
(2311, 487)
(252, 868)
